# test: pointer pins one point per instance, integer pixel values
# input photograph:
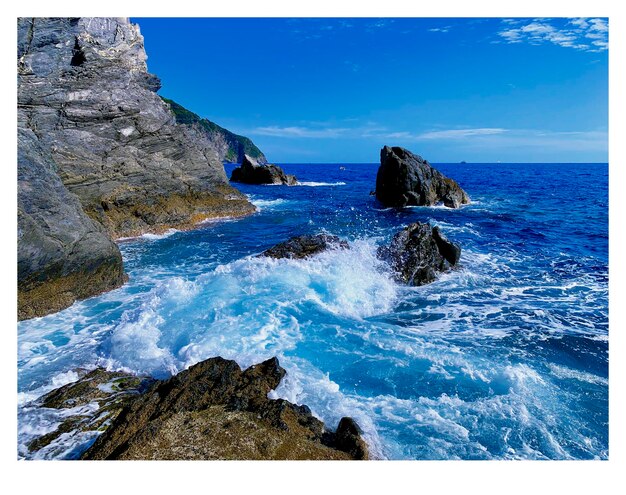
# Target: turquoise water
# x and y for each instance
(505, 358)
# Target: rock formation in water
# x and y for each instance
(251, 172)
(100, 157)
(231, 147)
(418, 252)
(305, 245)
(405, 179)
(214, 410)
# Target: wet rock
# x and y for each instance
(106, 391)
(214, 410)
(405, 179)
(449, 250)
(418, 253)
(251, 172)
(305, 245)
(348, 438)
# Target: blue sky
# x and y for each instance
(337, 90)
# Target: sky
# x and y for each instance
(315, 90)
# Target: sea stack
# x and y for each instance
(405, 179)
(251, 172)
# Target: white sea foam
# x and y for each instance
(149, 236)
(320, 184)
(568, 373)
(267, 204)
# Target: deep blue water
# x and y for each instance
(504, 358)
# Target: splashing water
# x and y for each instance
(503, 358)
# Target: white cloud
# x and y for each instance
(460, 133)
(576, 33)
(299, 132)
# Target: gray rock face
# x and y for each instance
(418, 252)
(85, 92)
(405, 179)
(304, 246)
(100, 157)
(250, 172)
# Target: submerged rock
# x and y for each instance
(305, 245)
(251, 172)
(405, 179)
(214, 410)
(418, 252)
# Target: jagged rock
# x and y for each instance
(449, 250)
(305, 245)
(251, 172)
(405, 179)
(214, 410)
(95, 142)
(348, 438)
(418, 252)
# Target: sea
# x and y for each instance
(505, 357)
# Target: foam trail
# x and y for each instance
(320, 184)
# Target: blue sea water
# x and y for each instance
(504, 358)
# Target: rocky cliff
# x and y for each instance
(231, 147)
(101, 157)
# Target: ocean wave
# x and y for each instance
(149, 236)
(263, 204)
(248, 310)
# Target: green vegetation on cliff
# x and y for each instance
(238, 146)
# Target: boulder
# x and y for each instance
(405, 179)
(305, 245)
(418, 253)
(251, 172)
(214, 410)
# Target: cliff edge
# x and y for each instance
(100, 157)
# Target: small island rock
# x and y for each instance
(251, 172)
(405, 179)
